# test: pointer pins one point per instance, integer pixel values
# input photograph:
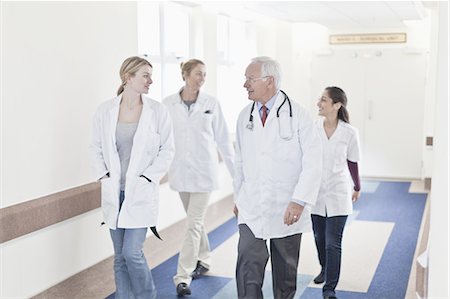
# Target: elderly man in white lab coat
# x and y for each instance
(277, 177)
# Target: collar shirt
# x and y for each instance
(198, 132)
(335, 191)
(268, 105)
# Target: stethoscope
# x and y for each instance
(250, 124)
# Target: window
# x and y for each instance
(176, 30)
(236, 45)
(164, 51)
(222, 39)
(148, 28)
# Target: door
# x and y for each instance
(385, 90)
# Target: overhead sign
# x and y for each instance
(370, 38)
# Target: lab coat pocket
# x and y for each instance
(245, 200)
(283, 195)
(153, 143)
(287, 149)
(143, 193)
(284, 192)
(340, 157)
(107, 192)
(206, 120)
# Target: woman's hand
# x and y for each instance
(355, 196)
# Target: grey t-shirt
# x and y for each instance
(124, 142)
(188, 104)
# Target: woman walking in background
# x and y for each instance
(199, 129)
(132, 147)
(341, 153)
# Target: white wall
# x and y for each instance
(430, 93)
(439, 213)
(274, 39)
(59, 61)
(310, 39)
(318, 64)
(209, 51)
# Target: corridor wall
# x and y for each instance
(59, 61)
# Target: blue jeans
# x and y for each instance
(131, 272)
(328, 236)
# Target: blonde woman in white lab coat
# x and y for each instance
(199, 129)
(341, 153)
(132, 147)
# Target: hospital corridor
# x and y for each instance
(192, 149)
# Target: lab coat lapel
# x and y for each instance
(200, 104)
(257, 122)
(113, 119)
(143, 127)
(273, 111)
(179, 107)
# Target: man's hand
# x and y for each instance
(235, 211)
(293, 213)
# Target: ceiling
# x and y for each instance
(332, 14)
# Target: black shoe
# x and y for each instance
(329, 297)
(183, 289)
(199, 271)
(319, 278)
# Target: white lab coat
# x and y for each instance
(151, 155)
(271, 171)
(335, 194)
(198, 133)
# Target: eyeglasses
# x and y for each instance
(253, 80)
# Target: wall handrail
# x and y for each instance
(27, 217)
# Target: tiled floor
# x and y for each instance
(98, 280)
(358, 247)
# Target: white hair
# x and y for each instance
(269, 67)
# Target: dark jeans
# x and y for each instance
(328, 236)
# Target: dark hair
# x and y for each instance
(338, 96)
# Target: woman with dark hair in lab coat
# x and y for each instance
(341, 153)
(132, 147)
(199, 129)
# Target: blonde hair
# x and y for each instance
(129, 68)
(186, 67)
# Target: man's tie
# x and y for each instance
(264, 114)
